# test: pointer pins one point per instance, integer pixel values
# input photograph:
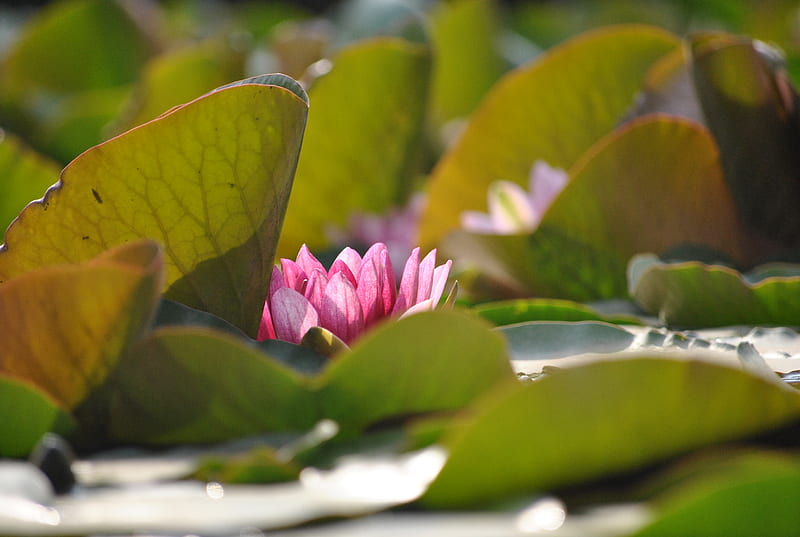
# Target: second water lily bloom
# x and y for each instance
(354, 294)
(512, 209)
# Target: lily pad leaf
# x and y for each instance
(522, 310)
(694, 294)
(426, 362)
(300, 358)
(553, 109)
(547, 340)
(197, 385)
(374, 96)
(24, 174)
(209, 180)
(751, 108)
(64, 327)
(610, 211)
(580, 424)
(749, 494)
(27, 415)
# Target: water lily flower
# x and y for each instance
(350, 297)
(511, 208)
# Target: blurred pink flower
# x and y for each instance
(352, 296)
(512, 209)
(396, 228)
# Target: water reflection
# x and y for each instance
(544, 515)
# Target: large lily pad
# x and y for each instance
(436, 361)
(27, 415)
(694, 294)
(360, 146)
(746, 494)
(64, 327)
(209, 180)
(751, 107)
(195, 385)
(552, 109)
(587, 422)
(651, 185)
(25, 176)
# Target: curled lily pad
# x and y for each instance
(584, 423)
(694, 294)
(209, 180)
(553, 109)
(64, 327)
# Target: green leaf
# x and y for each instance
(69, 71)
(360, 147)
(427, 362)
(507, 312)
(259, 465)
(24, 176)
(179, 76)
(196, 385)
(465, 68)
(545, 340)
(64, 327)
(584, 423)
(749, 494)
(552, 109)
(653, 184)
(752, 109)
(209, 180)
(694, 294)
(27, 415)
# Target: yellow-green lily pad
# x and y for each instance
(64, 327)
(209, 180)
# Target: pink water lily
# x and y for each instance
(350, 297)
(511, 208)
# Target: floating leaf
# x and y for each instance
(752, 494)
(599, 419)
(427, 362)
(27, 415)
(507, 312)
(546, 340)
(195, 385)
(209, 180)
(694, 294)
(752, 109)
(64, 327)
(373, 97)
(553, 109)
(653, 184)
(24, 176)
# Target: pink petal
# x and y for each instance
(477, 222)
(546, 183)
(510, 207)
(276, 281)
(341, 310)
(389, 284)
(340, 266)
(407, 295)
(265, 329)
(349, 257)
(425, 305)
(307, 261)
(315, 288)
(425, 278)
(292, 315)
(439, 281)
(295, 277)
